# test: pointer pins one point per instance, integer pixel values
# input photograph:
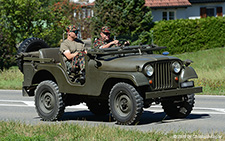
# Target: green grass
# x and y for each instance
(11, 79)
(209, 65)
(66, 131)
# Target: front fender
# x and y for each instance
(187, 73)
(139, 79)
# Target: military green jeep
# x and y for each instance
(120, 81)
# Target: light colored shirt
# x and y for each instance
(71, 46)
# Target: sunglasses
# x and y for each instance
(76, 31)
(107, 34)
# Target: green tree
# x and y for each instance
(6, 57)
(24, 18)
(21, 19)
(128, 19)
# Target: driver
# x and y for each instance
(105, 41)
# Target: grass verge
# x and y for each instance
(210, 67)
(11, 79)
(65, 131)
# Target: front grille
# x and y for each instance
(163, 76)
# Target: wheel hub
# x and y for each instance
(123, 104)
(47, 102)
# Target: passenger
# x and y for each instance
(104, 41)
(73, 50)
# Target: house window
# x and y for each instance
(171, 16)
(210, 11)
(89, 13)
(164, 15)
(92, 13)
(219, 11)
(83, 13)
(80, 15)
(75, 13)
(168, 15)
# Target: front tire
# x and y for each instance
(49, 101)
(179, 107)
(126, 104)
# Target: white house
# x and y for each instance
(185, 9)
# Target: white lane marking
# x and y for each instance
(213, 109)
(16, 103)
(29, 103)
(13, 105)
(10, 100)
(154, 108)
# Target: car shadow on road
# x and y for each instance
(86, 115)
(147, 117)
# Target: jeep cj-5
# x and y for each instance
(120, 81)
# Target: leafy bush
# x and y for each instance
(7, 58)
(186, 35)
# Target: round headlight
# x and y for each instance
(176, 67)
(149, 70)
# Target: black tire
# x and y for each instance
(98, 108)
(179, 107)
(126, 104)
(29, 45)
(49, 101)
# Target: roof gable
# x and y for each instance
(167, 3)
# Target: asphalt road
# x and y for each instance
(207, 117)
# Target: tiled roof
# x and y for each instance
(88, 4)
(167, 3)
(91, 4)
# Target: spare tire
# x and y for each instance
(29, 45)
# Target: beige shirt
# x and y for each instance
(72, 46)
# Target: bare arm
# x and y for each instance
(69, 55)
(109, 44)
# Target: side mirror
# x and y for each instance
(187, 62)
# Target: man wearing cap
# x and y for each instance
(104, 41)
(73, 50)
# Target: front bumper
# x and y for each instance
(173, 92)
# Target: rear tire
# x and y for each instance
(29, 45)
(49, 101)
(179, 107)
(126, 104)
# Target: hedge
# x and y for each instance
(185, 35)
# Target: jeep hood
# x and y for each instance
(131, 63)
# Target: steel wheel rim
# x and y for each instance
(123, 104)
(46, 102)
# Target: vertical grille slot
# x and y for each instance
(163, 76)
